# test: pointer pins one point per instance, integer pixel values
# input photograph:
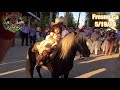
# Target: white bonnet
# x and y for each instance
(52, 34)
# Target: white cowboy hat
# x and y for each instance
(58, 20)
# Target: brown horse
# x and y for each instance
(62, 62)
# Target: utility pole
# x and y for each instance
(57, 15)
(87, 22)
(50, 18)
(40, 15)
(66, 18)
(78, 20)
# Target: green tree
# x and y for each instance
(44, 20)
(118, 23)
(71, 21)
(44, 14)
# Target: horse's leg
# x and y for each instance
(54, 75)
(66, 74)
(38, 70)
(32, 65)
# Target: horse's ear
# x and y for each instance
(75, 33)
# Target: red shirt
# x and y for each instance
(81, 30)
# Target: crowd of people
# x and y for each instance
(99, 41)
(102, 41)
(30, 34)
(35, 33)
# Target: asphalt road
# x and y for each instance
(13, 65)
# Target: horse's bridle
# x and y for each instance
(79, 44)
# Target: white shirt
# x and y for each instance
(64, 32)
(95, 37)
(49, 41)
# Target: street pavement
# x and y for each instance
(13, 65)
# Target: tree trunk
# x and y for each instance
(57, 15)
(87, 22)
(78, 20)
(50, 18)
(40, 15)
(66, 19)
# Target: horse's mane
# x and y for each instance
(81, 37)
(66, 45)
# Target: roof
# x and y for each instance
(31, 14)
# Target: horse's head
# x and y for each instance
(81, 44)
(74, 42)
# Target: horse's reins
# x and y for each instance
(79, 44)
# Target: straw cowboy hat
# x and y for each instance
(57, 21)
(52, 23)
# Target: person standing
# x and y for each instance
(110, 44)
(88, 31)
(24, 34)
(118, 38)
(64, 31)
(32, 33)
(104, 42)
(89, 43)
(95, 39)
(38, 33)
(119, 47)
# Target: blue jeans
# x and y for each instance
(32, 39)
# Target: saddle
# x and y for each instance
(47, 56)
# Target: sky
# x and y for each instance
(82, 16)
(76, 14)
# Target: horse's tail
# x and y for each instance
(27, 66)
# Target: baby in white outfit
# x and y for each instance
(50, 41)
